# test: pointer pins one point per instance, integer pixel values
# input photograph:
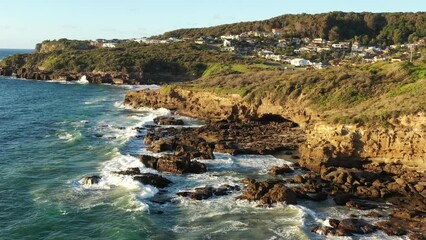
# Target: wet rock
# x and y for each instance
(208, 192)
(268, 192)
(342, 198)
(362, 205)
(183, 141)
(392, 228)
(173, 164)
(280, 170)
(299, 179)
(90, 180)
(129, 171)
(345, 227)
(373, 214)
(358, 226)
(153, 179)
(163, 120)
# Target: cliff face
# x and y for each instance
(350, 146)
(327, 144)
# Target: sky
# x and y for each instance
(23, 23)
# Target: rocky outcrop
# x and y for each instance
(268, 192)
(209, 106)
(345, 227)
(6, 72)
(95, 78)
(349, 146)
(153, 179)
(164, 120)
(90, 180)
(233, 137)
(326, 144)
(173, 164)
(208, 192)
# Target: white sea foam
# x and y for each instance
(69, 136)
(83, 80)
(96, 100)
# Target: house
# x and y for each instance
(98, 43)
(300, 62)
(356, 47)
(227, 43)
(296, 41)
(341, 45)
(200, 41)
(318, 41)
(109, 45)
(230, 37)
(277, 31)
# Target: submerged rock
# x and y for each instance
(208, 192)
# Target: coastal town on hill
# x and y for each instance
(305, 52)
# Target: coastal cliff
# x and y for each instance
(342, 145)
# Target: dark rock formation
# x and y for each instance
(345, 227)
(268, 192)
(173, 164)
(90, 180)
(163, 120)
(153, 179)
(208, 192)
(280, 170)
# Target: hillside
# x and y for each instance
(369, 28)
(139, 62)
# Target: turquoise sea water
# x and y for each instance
(53, 134)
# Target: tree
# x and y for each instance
(334, 34)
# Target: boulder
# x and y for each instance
(153, 179)
(280, 170)
(130, 171)
(90, 180)
(173, 164)
(268, 192)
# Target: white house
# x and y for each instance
(227, 43)
(109, 45)
(300, 62)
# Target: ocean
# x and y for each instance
(53, 134)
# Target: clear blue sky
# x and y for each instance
(23, 23)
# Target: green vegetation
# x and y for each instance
(349, 94)
(176, 58)
(368, 28)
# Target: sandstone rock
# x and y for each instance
(392, 229)
(268, 192)
(280, 170)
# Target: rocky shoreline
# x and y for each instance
(391, 190)
(132, 78)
